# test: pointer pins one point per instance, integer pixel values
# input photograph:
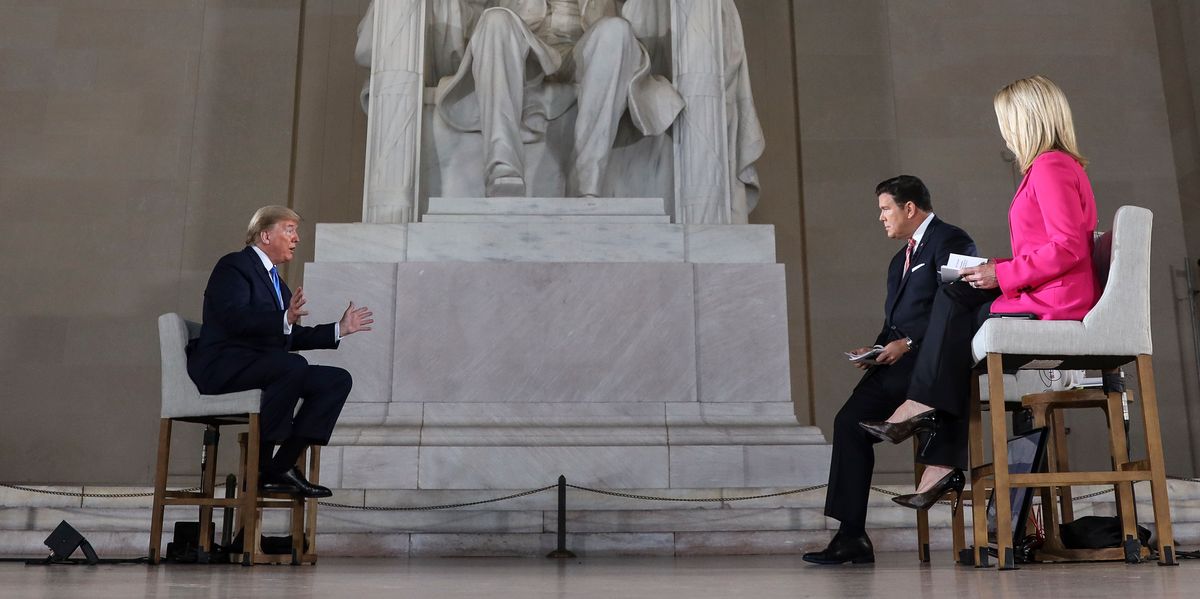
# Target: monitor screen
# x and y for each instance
(1026, 454)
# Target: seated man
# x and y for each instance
(907, 214)
(251, 326)
(516, 45)
(500, 52)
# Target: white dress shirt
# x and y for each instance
(287, 326)
(920, 232)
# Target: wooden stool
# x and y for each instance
(205, 498)
(1057, 506)
(303, 527)
(962, 554)
(957, 522)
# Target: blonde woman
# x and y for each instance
(1051, 223)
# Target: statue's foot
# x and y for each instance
(506, 187)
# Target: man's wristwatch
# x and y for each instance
(908, 342)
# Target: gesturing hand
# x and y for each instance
(355, 320)
(295, 306)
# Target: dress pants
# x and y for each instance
(285, 378)
(941, 377)
(881, 390)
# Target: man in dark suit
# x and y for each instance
(907, 215)
(251, 326)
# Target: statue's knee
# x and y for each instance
(497, 19)
(610, 30)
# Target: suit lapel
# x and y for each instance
(264, 277)
(930, 231)
(895, 271)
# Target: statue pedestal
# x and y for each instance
(559, 339)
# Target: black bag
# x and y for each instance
(1097, 532)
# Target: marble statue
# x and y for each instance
(505, 68)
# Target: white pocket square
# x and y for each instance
(917, 267)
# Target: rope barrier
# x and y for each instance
(426, 508)
(94, 495)
(608, 492)
(695, 499)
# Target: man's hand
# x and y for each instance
(355, 320)
(892, 352)
(982, 276)
(858, 352)
(295, 307)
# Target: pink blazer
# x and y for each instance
(1051, 224)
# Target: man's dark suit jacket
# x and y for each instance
(909, 299)
(243, 321)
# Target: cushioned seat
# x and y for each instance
(1115, 332)
(182, 401)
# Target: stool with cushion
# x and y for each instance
(183, 402)
(1115, 332)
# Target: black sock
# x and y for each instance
(852, 530)
(285, 458)
(265, 450)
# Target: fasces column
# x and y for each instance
(700, 134)
(394, 113)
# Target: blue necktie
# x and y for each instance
(275, 280)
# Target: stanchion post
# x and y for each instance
(560, 551)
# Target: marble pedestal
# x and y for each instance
(516, 340)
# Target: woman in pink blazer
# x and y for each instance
(1051, 223)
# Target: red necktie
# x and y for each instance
(908, 256)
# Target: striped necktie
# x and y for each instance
(278, 292)
(908, 250)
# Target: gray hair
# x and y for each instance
(266, 217)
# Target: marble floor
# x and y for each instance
(759, 577)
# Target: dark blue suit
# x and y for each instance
(242, 346)
(883, 388)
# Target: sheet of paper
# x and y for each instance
(959, 261)
(956, 263)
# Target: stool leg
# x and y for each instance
(1058, 434)
(314, 459)
(978, 487)
(1119, 447)
(1005, 559)
(208, 485)
(250, 512)
(922, 515)
(160, 489)
(1158, 480)
(1054, 498)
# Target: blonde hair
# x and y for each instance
(1034, 117)
(264, 218)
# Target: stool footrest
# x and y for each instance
(1059, 479)
(202, 501)
(1137, 465)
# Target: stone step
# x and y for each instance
(490, 240)
(545, 218)
(548, 206)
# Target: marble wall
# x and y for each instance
(138, 137)
(1177, 24)
(140, 134)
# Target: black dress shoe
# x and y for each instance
(856, 549)
(925, 422)
(954, 481)
(294, 483)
